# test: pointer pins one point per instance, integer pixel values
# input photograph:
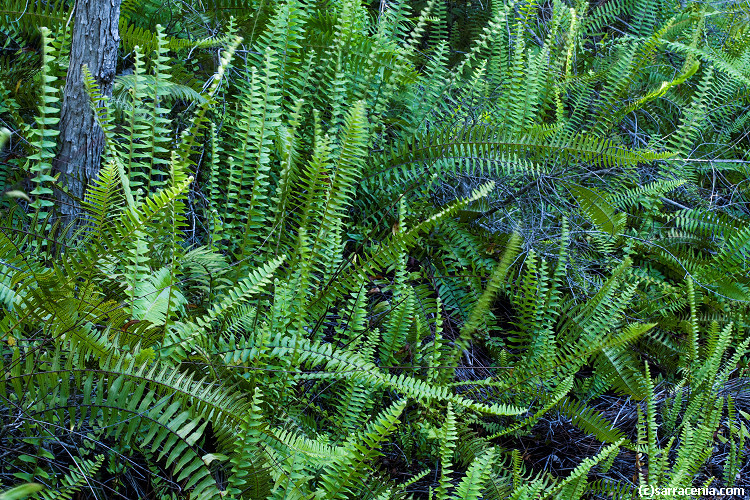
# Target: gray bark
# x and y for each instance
(81, 141)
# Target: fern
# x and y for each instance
(379, 241)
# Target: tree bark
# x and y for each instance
(95, 42)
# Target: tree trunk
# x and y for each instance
(95, 42)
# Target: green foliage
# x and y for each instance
(379, 252)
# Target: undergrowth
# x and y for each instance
(395, 251)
